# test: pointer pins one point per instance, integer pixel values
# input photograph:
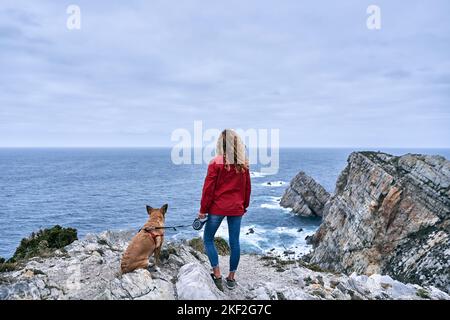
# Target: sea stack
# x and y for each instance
(305, 196)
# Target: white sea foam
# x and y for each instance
(278, 241)
(274, 204)
(296, 247)
(256, 174)
(294, 251)
(294, 232)
(275, 241)
(251, 241)
(273, 183)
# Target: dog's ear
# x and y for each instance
(149, 209)
(164, 209)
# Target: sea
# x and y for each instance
(98, 189)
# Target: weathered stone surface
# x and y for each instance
(263, 279)
(194, 283)
(305, 196)
(389, 215)
(90, 270)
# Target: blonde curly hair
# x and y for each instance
(232, 149)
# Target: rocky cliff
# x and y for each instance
(89, 269)
(305, 196)
(389, 215)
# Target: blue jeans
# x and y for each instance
(234, 230)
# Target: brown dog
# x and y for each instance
(146, 242)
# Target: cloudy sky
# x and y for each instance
(137, 70)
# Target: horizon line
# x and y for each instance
(169, 147)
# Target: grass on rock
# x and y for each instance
(221, 245)
(39, 244)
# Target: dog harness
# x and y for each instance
(152, 233)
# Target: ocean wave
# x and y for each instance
(294, 231)
(286, 253)
(290, 243)
(273, 183)
(256, 174)
(282, 242)
(274, 204)
(252, 242)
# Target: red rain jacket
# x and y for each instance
(225, 192)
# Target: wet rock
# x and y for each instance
(250, 231)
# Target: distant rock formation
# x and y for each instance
(389, 215)
(305, 196)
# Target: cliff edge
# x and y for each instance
(89, 269)
(389, 215)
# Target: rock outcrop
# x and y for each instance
(305, 196)
(90, 269)
(389, 215)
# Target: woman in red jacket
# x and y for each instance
(226, 193)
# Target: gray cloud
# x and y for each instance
(398, 74)
(140, 69)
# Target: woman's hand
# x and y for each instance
(201, 216)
